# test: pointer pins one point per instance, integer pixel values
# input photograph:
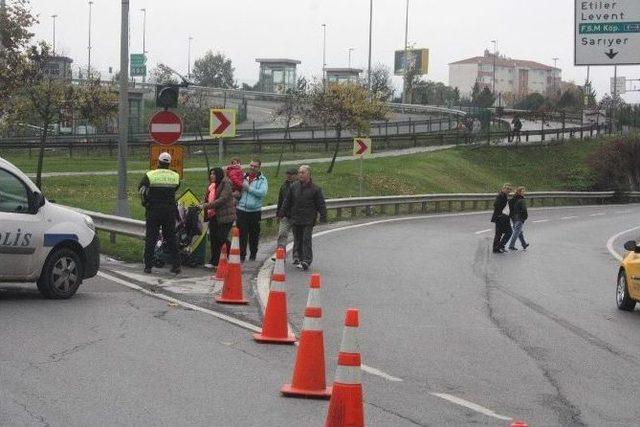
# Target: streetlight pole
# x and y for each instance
(144, 39)
(189, 59)
(89, 47)
(555, 67)
(3, 12)
(406, 47)
(54, 33)
(495, 54)
(324, 52)
(122, 206)
(350, 50)
(370, 30)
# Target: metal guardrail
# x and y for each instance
(423, 202)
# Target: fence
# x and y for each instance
(390, 205)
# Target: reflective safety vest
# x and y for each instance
(163, 178)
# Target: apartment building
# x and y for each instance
(512, 76)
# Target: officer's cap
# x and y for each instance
(164, 158)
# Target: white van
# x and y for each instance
(42, 242)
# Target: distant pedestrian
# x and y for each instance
(284, 217)
(518, 214)
(517, 127)
(254, 190)
(305, 203)
(220, 209)
(501, 219)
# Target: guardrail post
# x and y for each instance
(368, 211)
(112, 237)
(438, 208)
(397, 209)
(70, 149)
(450, 206)
(410, 208)
(338, 213)
(424, 207)
(354, 212)
(475, 205)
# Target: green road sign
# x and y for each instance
(613, 28)
(137, 59)
(137, 71)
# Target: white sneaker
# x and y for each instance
(208, 266)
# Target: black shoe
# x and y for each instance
(304, 265)
(296, 262)
(252, 257)
(525, 246)
(242, 258)
(147, 270)
(176, 270)
(513, 248)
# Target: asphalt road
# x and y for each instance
(531, 335)
(450, 333)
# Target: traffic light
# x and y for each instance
(167, 96)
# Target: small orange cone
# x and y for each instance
(309, 371)
(223, 268)
(275, 328)
(519, 424)
(345, 407)
(232, 288)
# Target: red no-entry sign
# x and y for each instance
(165, 127)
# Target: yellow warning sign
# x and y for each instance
(177, 157)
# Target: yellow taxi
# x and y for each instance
(628, 287)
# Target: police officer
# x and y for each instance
(158, 190)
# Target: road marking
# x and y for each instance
(193, 307)
(623, 212)
(569, 217)
(472, 406)
(482, 231)
(374, 371)
(613, 253)
(540, 220)
(599, 214)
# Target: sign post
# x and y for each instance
(361, 148)
(222, 123)
(607, 32)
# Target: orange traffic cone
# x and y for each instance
(275, 328)
(309, 370)
(232, 288)
(519, 424)
(223, 268)
(345, 407)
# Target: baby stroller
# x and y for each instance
(188, 227)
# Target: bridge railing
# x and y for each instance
(344, 208)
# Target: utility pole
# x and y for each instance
(555, 81)
(350, 50)
(495, 55)
(144, 39)
(614, 104)
(122, 206)
(406, 61)
(189, 59)
(54, 34)
(89, 47)
(3, 17)
(370, 30)
(324, 53)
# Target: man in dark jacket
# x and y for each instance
(284, 216)
(304, 202)
(501, 220)
(158, 190)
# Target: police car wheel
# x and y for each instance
(61, 275)
(623, 299)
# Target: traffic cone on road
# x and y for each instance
(345, 407)
(309, 370)
(275, 328)
(232, 288)
(223, 267)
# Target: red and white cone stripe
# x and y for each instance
(278, 277)
(348, 369)
(234, 253)
(313, 311)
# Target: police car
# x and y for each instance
(42, 242)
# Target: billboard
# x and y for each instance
(407, 59)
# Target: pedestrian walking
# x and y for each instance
(305, 203)
(517, 127)
(220, 210)
(284, 217)
(518, 213)
(158, 191)
(249, 210)
(501, 219)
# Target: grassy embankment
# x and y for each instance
(463, 169)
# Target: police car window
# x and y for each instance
(14, 196)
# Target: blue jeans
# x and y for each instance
(517, 234)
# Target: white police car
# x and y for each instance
(42, 242)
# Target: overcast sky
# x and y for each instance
(243, 30)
